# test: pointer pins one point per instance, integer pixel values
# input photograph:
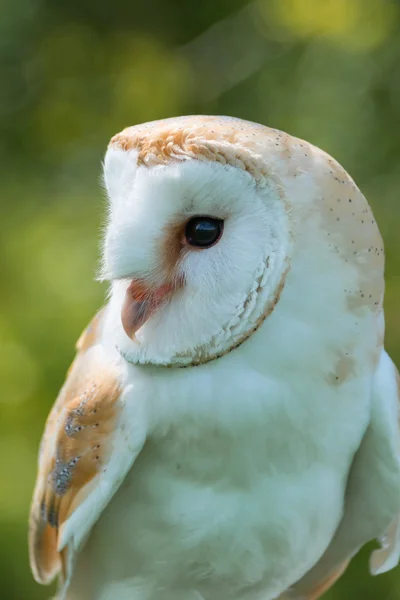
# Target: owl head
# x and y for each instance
(216, 226)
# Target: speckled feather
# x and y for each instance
(74, 449)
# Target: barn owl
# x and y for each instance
(228, 429)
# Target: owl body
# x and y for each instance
(229, 428)
(239, 499)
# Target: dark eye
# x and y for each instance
(203, 232)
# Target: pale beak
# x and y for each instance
(141, 301)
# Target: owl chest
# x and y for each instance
(223, 509)
(238, 489)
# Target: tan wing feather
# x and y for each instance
(319, 589)
(73, 450)
(330, 581)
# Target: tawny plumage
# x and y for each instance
(74, 451)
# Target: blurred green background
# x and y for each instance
(74, 73)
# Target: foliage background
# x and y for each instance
(74, 73)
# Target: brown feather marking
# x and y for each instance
(325, 585)
(91, 334)
(297, 593)
(74, 449)
(81, 445)
(171, 248)
(43, 545)
(344, 370)
(204, 138)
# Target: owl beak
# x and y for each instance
(141, 301)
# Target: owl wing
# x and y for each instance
(85, 453)
(372, 504)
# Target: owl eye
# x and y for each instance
(203, 232)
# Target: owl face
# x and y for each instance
(218, 228)
(196, 252)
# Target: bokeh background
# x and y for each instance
(74, 73)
